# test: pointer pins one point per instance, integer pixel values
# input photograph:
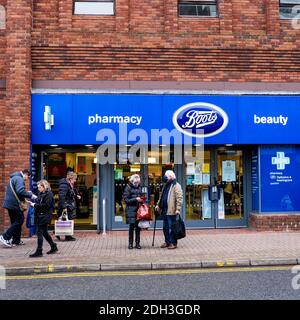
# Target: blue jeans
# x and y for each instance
(168, 222)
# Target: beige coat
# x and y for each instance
(175, 199)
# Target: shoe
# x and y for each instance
(21, 243)
(70, 238)
(53, 250)
(38, 253)
(58, 237)
(164, 245)
(172, 246)
(130, 246)
(138, 246)
(7, 243)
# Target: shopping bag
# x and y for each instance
(144, 224)
(30, 218)
(64, 227)
(143, 212)
(179, 229)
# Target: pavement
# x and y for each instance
(200, 249)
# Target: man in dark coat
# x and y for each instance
(133, 196)
(12, 236)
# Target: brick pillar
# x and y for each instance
(226, 17)
(171, 16)
(272, 17)
(18, 87)
(2, 134)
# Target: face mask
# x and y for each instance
(165, 179)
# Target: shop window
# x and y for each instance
(203, 8)
(56, 167)
(95, 7)
(289, 9)
(2, 18)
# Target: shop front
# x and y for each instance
(229, 153)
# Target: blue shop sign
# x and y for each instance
(280, 178)
(78, 118)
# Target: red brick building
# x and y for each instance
(141, 46)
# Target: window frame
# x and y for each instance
(287, 4)
(96, 14)
(199, 2)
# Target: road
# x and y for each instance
(209, 284)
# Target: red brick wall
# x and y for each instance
(275, 222)
(2, 119)
(248, 42)
(18, 88)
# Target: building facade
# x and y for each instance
(94, 64)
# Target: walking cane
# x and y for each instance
(154, 230)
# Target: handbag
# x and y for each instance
(178, 229)
(143, 212)
(22, 204)
(64, 227)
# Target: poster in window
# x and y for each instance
(190, 168)
(228, 171)
(57, 165)
(81, 165)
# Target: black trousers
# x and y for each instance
(42, 232)
(14, 231)
(135, 226)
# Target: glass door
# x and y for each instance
(198, 207)
(230, 180)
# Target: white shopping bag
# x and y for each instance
(64, 227)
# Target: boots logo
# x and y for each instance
(200, 119)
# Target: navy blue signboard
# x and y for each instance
(280, 178)
(78, 118)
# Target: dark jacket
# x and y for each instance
(67, 198)
(18, 183)
(43, 208)
(130, 194)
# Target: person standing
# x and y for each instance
(15, 193)
(133, 196)
(43, 209)
(169, 204)
(67, 198)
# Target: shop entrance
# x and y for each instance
(214, 189)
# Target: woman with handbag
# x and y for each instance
(43, 209)
(68, 195)
(133, 196)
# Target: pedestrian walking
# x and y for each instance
(169, 205)
(43, 209)
(68, 195)
(133, 197)
(13, 201)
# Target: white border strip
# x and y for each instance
(161, 92)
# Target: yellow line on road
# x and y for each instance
(145, 272)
